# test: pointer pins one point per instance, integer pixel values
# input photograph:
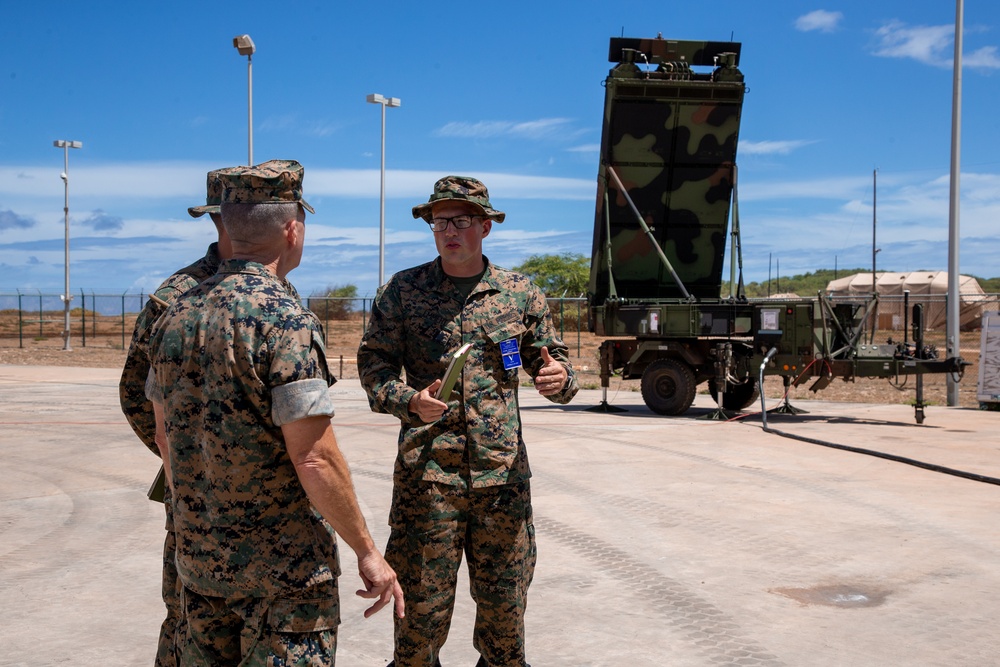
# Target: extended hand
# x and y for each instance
(551, 377)
(424, 405)
(380, 582)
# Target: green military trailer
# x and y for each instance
(666, 193)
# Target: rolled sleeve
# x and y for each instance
(153, 392)
(298, 400)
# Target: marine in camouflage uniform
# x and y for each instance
(258, 483)
(461, 475)
(139, 410)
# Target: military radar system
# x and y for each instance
(667, 187)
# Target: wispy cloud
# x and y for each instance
(820, 19)
(984, 58)
(773, 147)
(928, 44)
(931, 45)
(11, 220)
(586, 148)
(292, 123)
(99, 221)
(543, 128)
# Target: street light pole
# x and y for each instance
(952, 330)
(384, 102)
(245, 46)
(67, 296)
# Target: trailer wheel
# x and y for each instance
(738, 396)
(668, 387)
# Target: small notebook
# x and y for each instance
(156, 490)
(454, 370)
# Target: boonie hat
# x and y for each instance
(271, 182)
(460, 188)
(213, 196)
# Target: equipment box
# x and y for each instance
(989, 363)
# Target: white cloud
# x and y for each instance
(926, 44)
(586, 148)
(820, 19)
(931, 45)
(488, 129)
(772, 147)
(985, 58)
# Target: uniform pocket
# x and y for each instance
(310, 615)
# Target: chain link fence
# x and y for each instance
(107, 320)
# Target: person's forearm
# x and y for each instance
(326, 479)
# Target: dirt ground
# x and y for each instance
(343, 338)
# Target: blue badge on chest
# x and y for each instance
(511, 355)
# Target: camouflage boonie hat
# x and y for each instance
(213, 196)
(460, 188)
(274, 181)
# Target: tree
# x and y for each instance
(333, 302)
(558, 275)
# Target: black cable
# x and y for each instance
(858, 450)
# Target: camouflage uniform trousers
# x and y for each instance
(173, 625)
(298, 630)
(432, 525)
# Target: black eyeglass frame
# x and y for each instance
(440, 224)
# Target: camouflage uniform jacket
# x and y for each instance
(132, 386)
(234, 359)
(418, 321)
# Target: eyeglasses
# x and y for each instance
(459, 221)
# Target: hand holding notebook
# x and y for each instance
(454, 370)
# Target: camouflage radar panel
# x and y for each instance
(668, 151)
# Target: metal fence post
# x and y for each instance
(20, 321)
(579, 325)
(40, 323)
(123, 320)
(83, 318)
(562, 320)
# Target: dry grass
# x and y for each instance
(104, 350)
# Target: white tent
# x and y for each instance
(929, 288)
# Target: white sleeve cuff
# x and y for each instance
(300, 399)
(153, 392)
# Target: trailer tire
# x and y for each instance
(668, 387)
(738, 397)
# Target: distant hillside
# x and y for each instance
(808, 284)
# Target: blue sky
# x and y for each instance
(507, 91)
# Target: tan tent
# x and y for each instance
(929, 288)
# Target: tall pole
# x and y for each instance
(250, 109)
(245, 47)
(381, 211)
(871, 336)
(66, 296)
(874, 218)
(384, 102)
(952, 345)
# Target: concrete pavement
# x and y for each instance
(674, 541)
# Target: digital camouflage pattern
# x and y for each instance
(272, 181)
(244, 524)
(462, 188)
(432, 525)
(213, 196)
(670, 134)
(139, 414)
(460, 483)
(132, 385)
(299, 630)
(418, 321)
